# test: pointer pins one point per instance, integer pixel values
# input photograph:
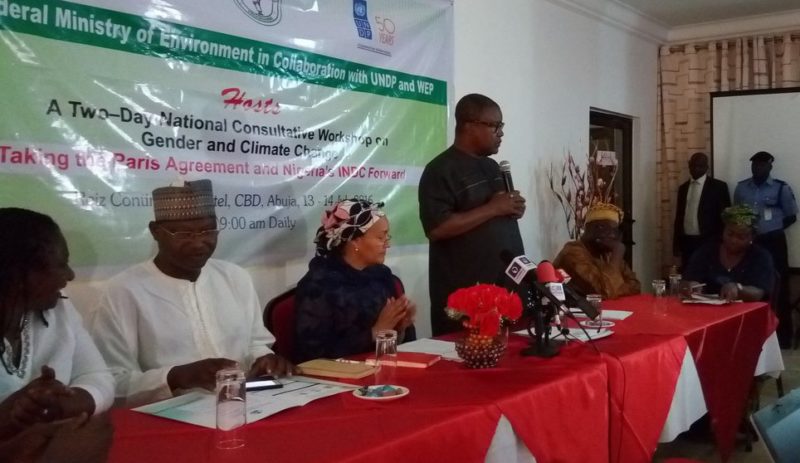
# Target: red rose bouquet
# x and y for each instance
(484, 307)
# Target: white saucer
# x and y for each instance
(403, 392)
(595, 324)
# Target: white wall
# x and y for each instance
(546, 63)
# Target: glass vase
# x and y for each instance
(481, 351)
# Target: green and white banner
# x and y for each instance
(287, 105)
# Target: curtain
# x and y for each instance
(687, 75)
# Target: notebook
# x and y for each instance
(332, 369)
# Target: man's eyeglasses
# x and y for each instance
(497, 126)
(190, 235)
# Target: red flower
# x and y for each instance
(484, 306)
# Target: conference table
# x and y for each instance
(725, 343)
(590, 405)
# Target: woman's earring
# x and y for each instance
(356, 249)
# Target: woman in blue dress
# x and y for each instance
(348, 294)
(736, 268)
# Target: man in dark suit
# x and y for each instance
(701, 200)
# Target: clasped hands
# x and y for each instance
(43, 400)
(397, 314)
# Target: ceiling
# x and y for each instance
(682, 12)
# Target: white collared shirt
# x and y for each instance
(148, 323)
(65, 346)
(691, 225)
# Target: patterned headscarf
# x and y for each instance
(346, 220)
(740, 214)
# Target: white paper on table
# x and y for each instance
(607, 314)
(616, 314)
(708, 301)
(200, 408)
(575, 333)
(431, 346)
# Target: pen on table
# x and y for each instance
(696, 286)
(347, 361)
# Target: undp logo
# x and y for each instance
(266, 12)
(360, 18)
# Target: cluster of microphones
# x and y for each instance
(548, 285)
(551, 291)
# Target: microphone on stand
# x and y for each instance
(546, 274)
(574, 296)
(519, 270)
(505, 172)
(588, 309)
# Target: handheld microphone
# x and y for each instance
(505, 172)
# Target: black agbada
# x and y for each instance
(454, 182)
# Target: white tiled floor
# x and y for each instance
(704, 450)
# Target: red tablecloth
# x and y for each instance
(642, 374)
(557, 407)
(725, 342)
(579, 406)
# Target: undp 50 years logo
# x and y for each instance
(381, 27)
(266, 12)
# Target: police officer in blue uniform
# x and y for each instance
(775, 203)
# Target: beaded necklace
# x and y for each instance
(25, 345)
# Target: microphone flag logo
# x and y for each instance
(518, 268)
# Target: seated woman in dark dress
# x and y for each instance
(348, 295)
(735, 268)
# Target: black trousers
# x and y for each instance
(775, 243)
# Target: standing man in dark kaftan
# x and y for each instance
(465, 211)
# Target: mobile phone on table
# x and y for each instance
(261, 383)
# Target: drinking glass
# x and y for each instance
(596, 300)
(659, 287)
(231, 408)
(675, 284)
(385, 356)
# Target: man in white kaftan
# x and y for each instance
(169, 324)
(149, 322)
